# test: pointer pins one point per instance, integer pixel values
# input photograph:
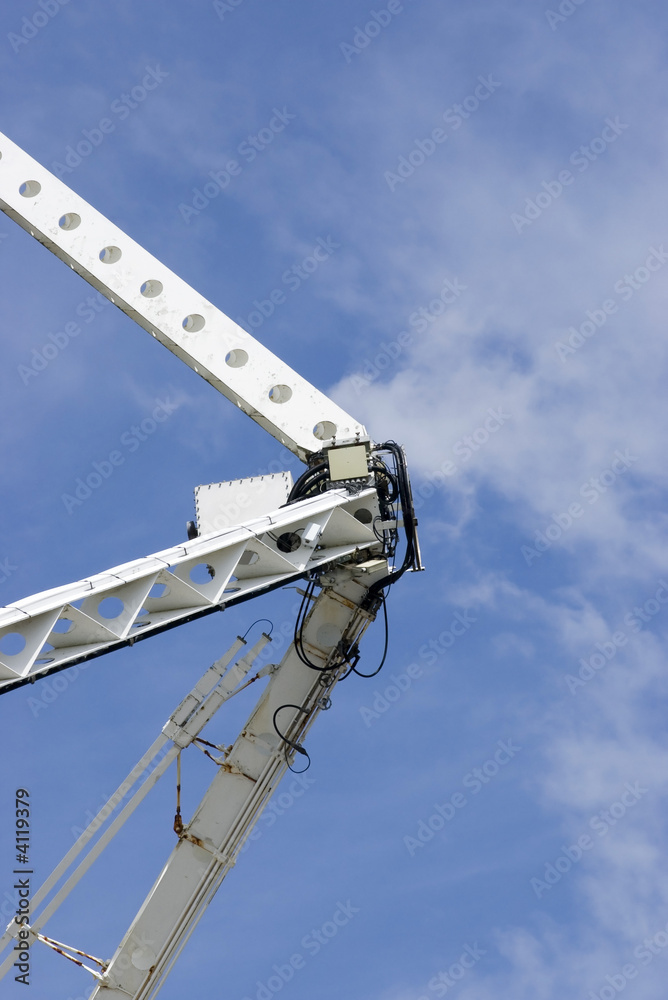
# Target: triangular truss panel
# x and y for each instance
(72, 623)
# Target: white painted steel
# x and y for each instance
(238, 562)
(242, 787)
(208, 846)
(245, 559)
(220, 505)
(215, 687)
(231, 360)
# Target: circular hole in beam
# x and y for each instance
(151, 288)
(109, 255)
(69, 221)
(363, 515)
(12, 644)
(324, 430)
(110, 608)
(236, 358)
(202, 573)
(289, 541)
(158, 590)
(193, 323)
(248, 558)
(280, 393)
(30, 188)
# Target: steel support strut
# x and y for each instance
(210, 842)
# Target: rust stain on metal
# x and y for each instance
(57, 947)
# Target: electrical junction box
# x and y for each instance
(348, 462)
(224, 505)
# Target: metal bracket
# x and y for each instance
(206, 845)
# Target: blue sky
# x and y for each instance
(490, 178)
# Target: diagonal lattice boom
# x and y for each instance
(112, 609)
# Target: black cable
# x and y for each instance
(295, 746)
(388, 496)
(257, 622)
(299, 642)
(387, 638)
(408, 513)
(373, 528)
(299, 486)
(299, 626)
(314, 485)
(291, 768)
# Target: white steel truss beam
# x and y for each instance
(79, 620)
(296, 413)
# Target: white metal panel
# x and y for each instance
(239, 366)
(220, 505)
